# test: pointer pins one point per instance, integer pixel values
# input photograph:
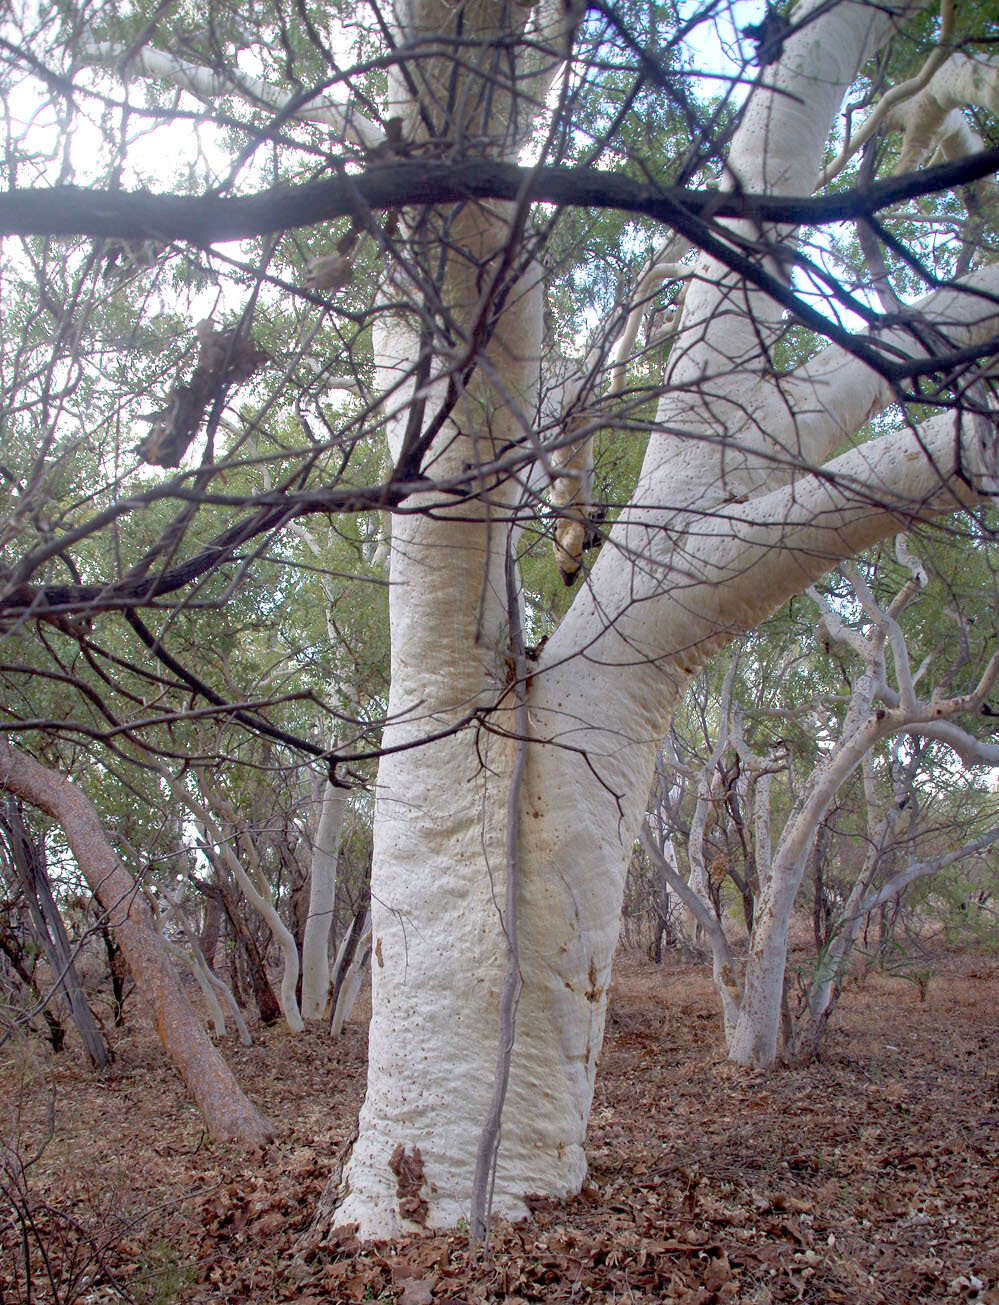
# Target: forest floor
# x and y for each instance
(872, 1175)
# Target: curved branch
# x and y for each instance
(898, 94)
(207, 219)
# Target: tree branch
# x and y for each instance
(207, 219)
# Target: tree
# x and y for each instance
(27, 859)
(881, 705)
(226, 1109)
(514, 773)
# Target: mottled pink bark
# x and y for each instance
(227, 1111)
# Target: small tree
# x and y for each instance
(879, 707)
(226, 1109)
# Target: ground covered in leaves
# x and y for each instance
(870, 1176)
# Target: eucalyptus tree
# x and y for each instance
(935, 702)
(370, 234)
(228, 1112)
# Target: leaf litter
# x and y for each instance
(871, 1175)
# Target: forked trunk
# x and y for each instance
(665, 593)
(434, 1035)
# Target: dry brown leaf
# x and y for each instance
(417, 1291)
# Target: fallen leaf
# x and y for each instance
(417, 1291)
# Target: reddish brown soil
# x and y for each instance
(870, 1176)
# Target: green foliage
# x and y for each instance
(288, 629)
(163, 1274)
(965, 898)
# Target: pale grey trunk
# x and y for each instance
(349, 970)
(214, 990)
(251, 881)
(322, 896)
(723, 972)
(754, 1042)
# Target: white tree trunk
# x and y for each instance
(657, 603)
(440, 833)
(190, 959)
(727, 521)
(439, 821)
(831, 966)
(691, 921)
(322, 895)
(723, 970)
(754, 1042)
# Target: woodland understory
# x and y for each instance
(867, 1177)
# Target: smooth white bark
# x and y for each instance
(439, 844)
(703, 443)
(726, 488)
(961, 81)
(898, 95)
(726, 981)
(440, 836)
(668, 590)
(754, 1042)
(209, 83)
(322, 895)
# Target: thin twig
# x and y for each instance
(489, 1139)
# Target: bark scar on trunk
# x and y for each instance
(408, 1170)
(593, 993)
